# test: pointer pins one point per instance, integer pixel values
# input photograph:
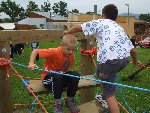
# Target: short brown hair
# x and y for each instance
(110, 11)
(69, 40)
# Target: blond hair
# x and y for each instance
(69, 40)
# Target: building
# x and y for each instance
(135, 28)
(43, 20)
(122, 20)
(7, 26)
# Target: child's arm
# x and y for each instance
(34, 53)
(134, 56)
(74, 29)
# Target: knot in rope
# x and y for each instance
(90, 52)
(4, 62)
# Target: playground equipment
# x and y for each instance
(87, 95)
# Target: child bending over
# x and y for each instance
(60, 60)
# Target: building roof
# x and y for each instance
(7, 25)
(30, 20)
(24, 21)
(51, 15)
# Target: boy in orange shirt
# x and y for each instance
(60, 60)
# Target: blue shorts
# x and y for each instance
(108, 72)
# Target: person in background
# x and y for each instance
(34, 45)
(19, 48)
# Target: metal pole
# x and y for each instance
(128, 19)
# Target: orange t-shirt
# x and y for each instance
(56, 60)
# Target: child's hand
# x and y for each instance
(32, 66)
(65, 32)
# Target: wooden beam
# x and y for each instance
(38, 87)
(139, 70)
(90, 107)
(66, 23)
(5, 82)
(26, 36)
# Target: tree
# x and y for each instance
(1, 20)
(12, 9)
(46, 7)
(5, 20)
(75, 11)
(89, 12)
(145, 17)
(60, 8)
(32, 7)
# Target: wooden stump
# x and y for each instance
(90, 107)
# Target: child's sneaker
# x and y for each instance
(58, 108)
(70, 103)
(103, 102)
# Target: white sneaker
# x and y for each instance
(103, 102)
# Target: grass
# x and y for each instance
(138, 100)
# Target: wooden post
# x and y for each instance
(5, 82)
(87, 69)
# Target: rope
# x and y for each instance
(33, 104)
(88, 78)
(123, 107)
(26, 84)
(4, 62)
(30, 78)
(91, 52)
(126, 103)
(75, 69)
(123, 97)
(5, 65)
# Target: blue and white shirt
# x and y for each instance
(112, 41)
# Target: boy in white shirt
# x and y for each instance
(114, 49)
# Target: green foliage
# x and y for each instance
(133, 97)
(5, 20)
(17, 12)
(75, 11)
(12, 9)
(46, 7)
(32, 6)
(89, 12)
(1, 21)
(60, 8)
(145, 17)
(42, 26)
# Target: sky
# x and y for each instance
(135, 6)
